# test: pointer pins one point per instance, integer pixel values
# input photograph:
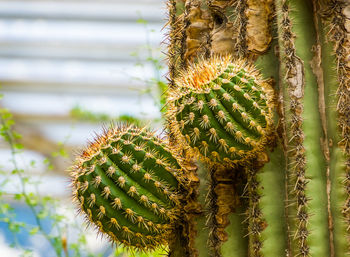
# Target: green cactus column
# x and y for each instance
(335, 39)
(309, 167)
(312, 170)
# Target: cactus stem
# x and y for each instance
(173, 41)
(212, 206)
(185, 23)
(339, 193)
(255, 220)
(339, 35)
(318, 72)
(294, 68)
(306, 160)
(221, 201)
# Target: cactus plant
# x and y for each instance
(256, 194)
(297, 204)
(223, 110)
(127, 183)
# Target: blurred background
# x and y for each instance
(66, 68)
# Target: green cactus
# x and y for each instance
(127, 183)
(223, 110)
(298, 203)
(275, 180)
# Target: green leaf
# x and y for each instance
(63, 153)
(18, 146)
(57, 217)
(16, 135)
(18, 196)
(141, 21)
(14, 227)
(6, 220)
(57, 242)
(43, 214)
(82, 239)
(32, 200)
(32, 163)
(27, 253)
(34, 230)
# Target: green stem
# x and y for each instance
(237, 243)
(202, 230)
(308, 213)
(318, 239)
(10, 140)
(272, 176)
(336, 157)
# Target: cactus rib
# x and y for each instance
(173, 42)
(340, 37)
(291, 60)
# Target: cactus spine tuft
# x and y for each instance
(223, 110)
(127, 183)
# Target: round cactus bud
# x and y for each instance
(222, 110)
(127, 184)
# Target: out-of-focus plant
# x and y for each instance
(80, 114)
(44, 208)
(156, 85)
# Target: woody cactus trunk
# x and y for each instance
(292, 197)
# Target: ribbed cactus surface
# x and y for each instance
(126, 183)
(222, 109)
(249, 200)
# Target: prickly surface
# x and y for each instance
(222, 111)
(295, 82)
(340, 35)
(174, 39)
(254, 215)
(221, 200)
(126, 182)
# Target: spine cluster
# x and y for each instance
(223, 110)
(222, 199)
(296, 158)
(254, 214)
(173, 42)
(126, 182)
